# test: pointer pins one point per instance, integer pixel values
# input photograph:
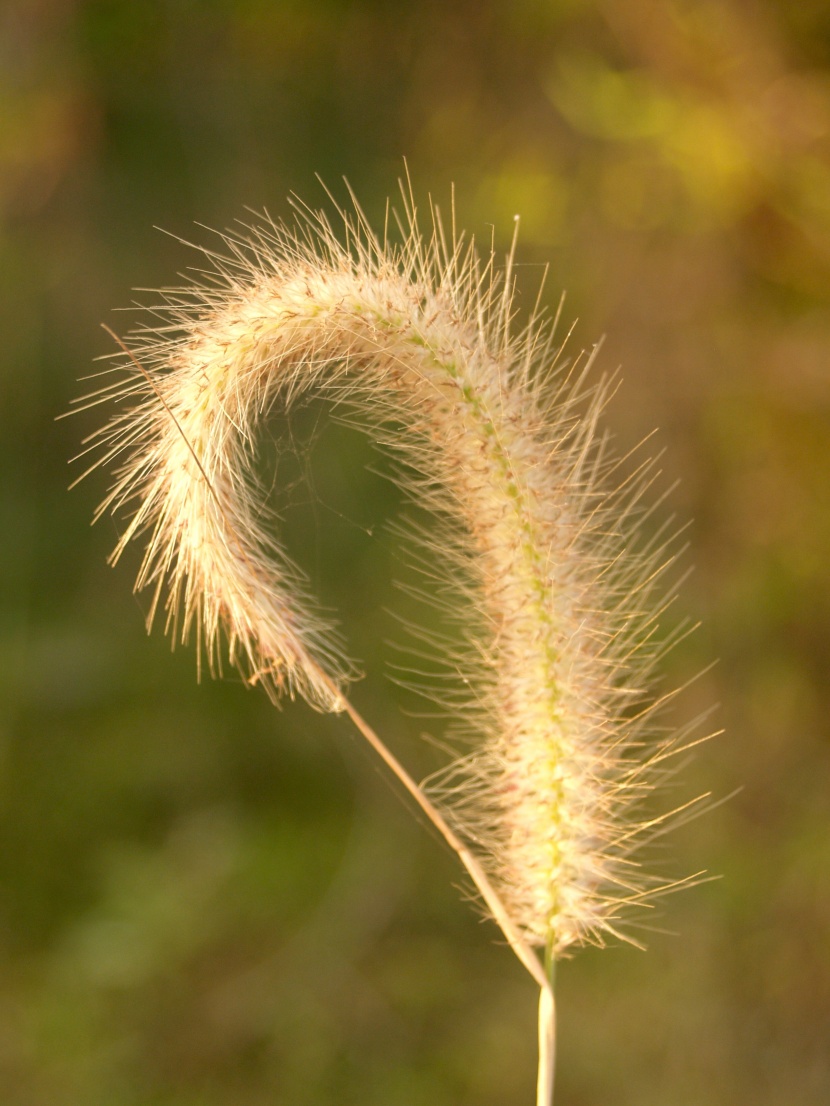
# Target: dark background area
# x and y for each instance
(206, 902)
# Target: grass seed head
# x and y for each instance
(532, 515)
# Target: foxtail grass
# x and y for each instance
(541, 536)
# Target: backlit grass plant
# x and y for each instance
(537, 532)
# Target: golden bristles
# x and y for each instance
(503, 451)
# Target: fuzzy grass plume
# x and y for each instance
(544, 805)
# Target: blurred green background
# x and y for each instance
(206, 902)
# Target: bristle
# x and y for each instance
(418, 338)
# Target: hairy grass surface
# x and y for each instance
(534, 538)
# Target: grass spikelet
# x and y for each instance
(415, 340)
